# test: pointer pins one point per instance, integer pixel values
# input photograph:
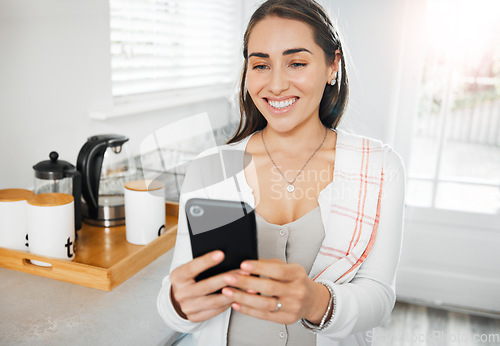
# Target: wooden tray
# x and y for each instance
(104, 259)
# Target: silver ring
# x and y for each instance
(278, 306)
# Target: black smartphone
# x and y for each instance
(222, 225)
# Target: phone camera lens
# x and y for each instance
(196, 210)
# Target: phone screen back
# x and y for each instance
(222, 225)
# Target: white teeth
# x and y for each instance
(282, 104)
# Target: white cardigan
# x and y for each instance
(365, 294)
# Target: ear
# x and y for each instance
(334, 67)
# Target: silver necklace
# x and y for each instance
(290, 187)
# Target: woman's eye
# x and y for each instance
(259, 67)
(298, 64)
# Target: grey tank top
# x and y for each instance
(295, 242)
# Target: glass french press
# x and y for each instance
(56, 175)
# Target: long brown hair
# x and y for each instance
(334, 100)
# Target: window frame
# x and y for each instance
(117, 106)
(402, 127)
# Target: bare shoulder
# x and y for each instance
(254, 144)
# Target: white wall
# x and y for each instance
(450, 259)
(372, 34)
(54, 67)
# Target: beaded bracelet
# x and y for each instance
(324, 323)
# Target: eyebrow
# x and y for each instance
(286, 52)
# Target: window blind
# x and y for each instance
(163, 45)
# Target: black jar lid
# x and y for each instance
(53, 169)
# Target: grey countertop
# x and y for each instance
(36, 310)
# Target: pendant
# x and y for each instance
(290, 188)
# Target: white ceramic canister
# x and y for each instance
(144, 211)
(13, 218)
(51, 226)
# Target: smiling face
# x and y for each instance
(287, 72)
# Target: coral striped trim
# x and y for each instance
(350, 260)
(360, 210)
(340, 175)
(351, 211)
(321, 272)
(333, 249)
(365, 194)
(355, 148)
(374, 233)
(352, 217)
(362, 195)
(329, 254)
(359, 175)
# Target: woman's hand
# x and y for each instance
(192, 300)
(288, 284)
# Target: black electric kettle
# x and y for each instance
(56, 175)
(105, 167)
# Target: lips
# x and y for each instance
(282, 104)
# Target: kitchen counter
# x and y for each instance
(36, 310)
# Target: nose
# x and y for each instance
(278, 82)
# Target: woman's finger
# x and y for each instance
(190, 270)
(253, 300)
(210, 302)
(279, 316)
(274, 269)
(210, 285)
(253, 283)
(207, 314)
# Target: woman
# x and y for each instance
(329, 204)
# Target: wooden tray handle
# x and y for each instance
(29, 262)
(26, 261)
